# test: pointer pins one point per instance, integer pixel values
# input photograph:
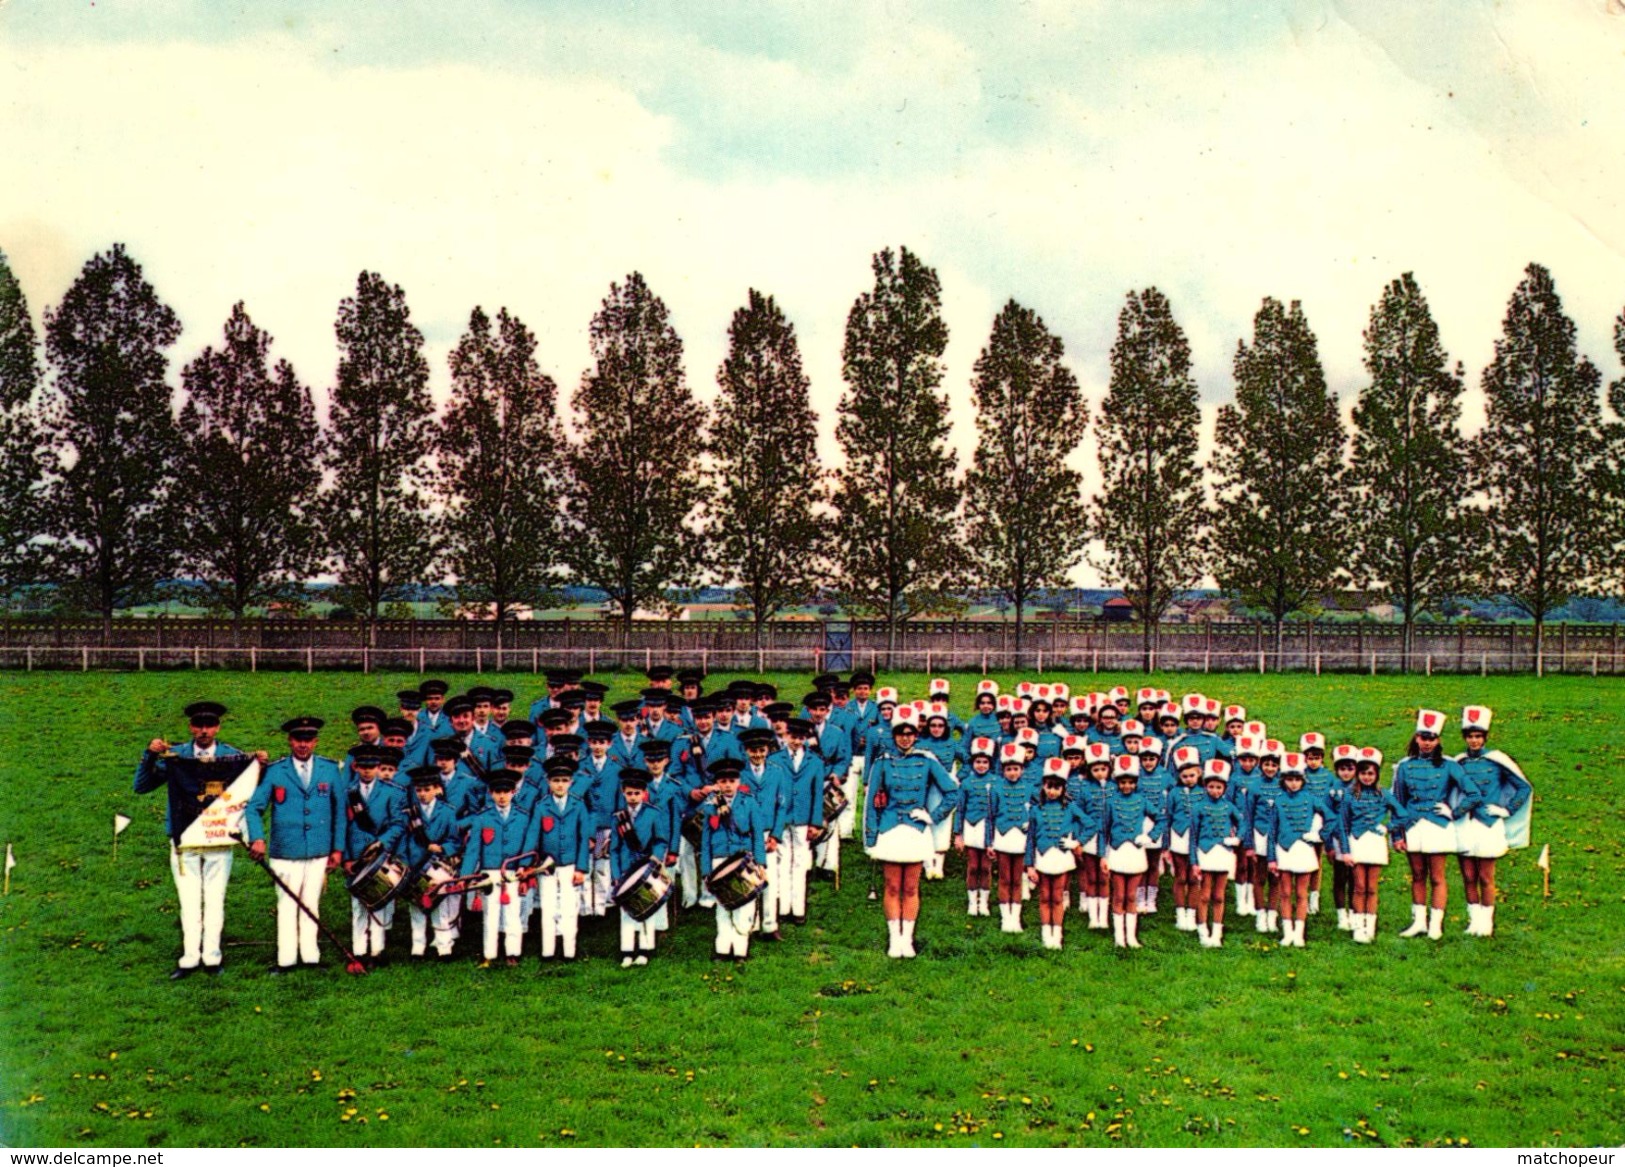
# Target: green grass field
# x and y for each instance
(985, 1039)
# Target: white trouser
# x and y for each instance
(846, 824)
(636, 937)
(200, 885)
(556, 900)
(792, 890)
(734, 928)
(506, 919)
(367, 927)
(688, 874)
(295, 931)
(778, 876)
(442, 918)
(594, 898)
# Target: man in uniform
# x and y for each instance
(201, 875)
(305, 795)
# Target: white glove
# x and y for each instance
(1441, 808)
(1497, 811)
(1232, 841)
(1142, 840)
(1068, 842)
(1314, 831)
(1381, 828)
(920, 815)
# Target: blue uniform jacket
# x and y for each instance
(975, 796)
(1010, 805)
(1054, 820)
(1361, 811)
(494, 838)
(744, 828)
(907, 781)
(599, 787)
(386, 805)
(152, 771)
(804, 788)
(1127, 817)
(834, 744)
(771, 790)
(563, 835)
(635, 839)
(307, 822)
(439, 825)
(1496, 785)
(1182, 804)
(1419, 786)
(1213, 822)
(1204, 743)
(1292, 817)
(1156, 784)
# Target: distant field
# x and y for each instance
(819, 1041)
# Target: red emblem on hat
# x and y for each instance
(280, 794)
(488, 835)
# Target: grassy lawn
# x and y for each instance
(820, 1040)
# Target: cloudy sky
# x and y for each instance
(505, 153)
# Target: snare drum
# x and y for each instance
(435, 872)
(690, 830)
(736, 881)
(378, 877)
(643, 890)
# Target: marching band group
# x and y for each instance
(732, 800)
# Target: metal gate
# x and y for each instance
(837, 646)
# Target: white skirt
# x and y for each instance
(1179, 842)
(1129, 859)
(903, 843)
(1478, 841)
(1429, 838)
(1260, 843)
(942, 834)
(1297, 859)
(1370, 849)
(1011, 842)
(1091, 845)
(976, 836)
(1219, 860)
(1055, 861)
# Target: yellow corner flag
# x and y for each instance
(1545, 865)
(11, 861)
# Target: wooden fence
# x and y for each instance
(799, 645)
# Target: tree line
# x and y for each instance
(641, 490)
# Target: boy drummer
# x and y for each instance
(431, 834)
(637, 836)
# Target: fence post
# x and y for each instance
(705, 661)
(366, 659)
(1593, 664)
(1483, 664)
(310, 659)
(592, 659)
(1261, 662)
(421, 652)
(1373, 662)
(197, 657)
(30, 654)
(759, 667)
(1428, 664)
(479, 660)
(1040, 662)
(928, 662)
(1097, 660)
(84, 660)
(1317, 664)
(1207, 657)
(1540, 662)
(984, 660)
(253, 659)
(141, 661)
(649, 660)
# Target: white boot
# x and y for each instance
(1486, 919)
(894, 929)
(987, 896)
(1244, 899)
(1297, 933)
(1151, 898)
(1015, 918)
(1365, 928)
(1131, 929)
(1436, 924)
(972, 898)
(1472, 921)
(1261, 920)
(1419, 921)
(1217, 932)
(908, 938)
(1314, 903)
(1101, 919)
(1202, 935)
(1286, 934)
(1343, 922)
(1119, 931)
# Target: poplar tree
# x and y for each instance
(21, 519)
(1540, 462)
(767, 533)
(250, 458)
(897, 496)
(502, 469)
(111, 468)
(1407, 479)
(381, 538)
(1151, 515)
(636, 477)
(1278, 465)
(1024, 504)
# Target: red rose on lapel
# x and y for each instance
(279, 793)
(715, 822)
(547, 822)
(321, 788)
(488, 835)
(743, 789)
